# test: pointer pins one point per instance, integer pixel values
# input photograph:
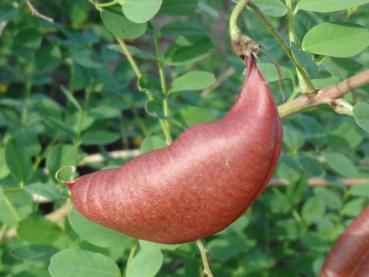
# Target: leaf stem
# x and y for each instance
(234, 31)
(204, 258)
(26, 103)
(139, 75)
(104, 5)
(163, 82)
(132, 253)
(130, 58)
(304, 75)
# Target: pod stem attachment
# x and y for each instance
(243, 45)
(204, 257)
(68, 183)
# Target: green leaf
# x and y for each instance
(70, 262)
(280, 202)
(7, 12)
(29, 140)
(360, 190)
(48, 58)
(58, 126)
(38, 230)
(140, 11)
(46, 190)
(325, 82)
(99, 137)
(179, 7)
(193, 80)
(313, 209)
(293, 137)
(288, 169)
(95, 233)
(59, 156)
(135, 52)
(341, 164)
(331, 199)
(329, 5)
(361, 114)
(152, 143)
(87, 58)
(146, 263)
(353, 208)
(272, 7)
(154, 108)
(224, 248)
(270, 72)
(18, 161)
(71, 98)
(14, 206)
(324, 38)
(78, 13)
(146, 244)
(35, 272)
(180, 28)
(189, 49)
(310, 164)
(4, 170)
(28, 38)
(120, 26)
(33, 252)
(192, 115)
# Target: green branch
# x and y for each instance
(164, 88)
(328, 96)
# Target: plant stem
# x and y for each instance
(234, 31)
(82, 115)
(104, 5)
(327, 96)
(163, 82)
(139, 75)
(204, 258)
(132, 253)
(291, 32)
(130, 58)
(26, 103)
(304, 75)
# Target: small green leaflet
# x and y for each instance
(361, 114)
(324, 39)
(194, 80)
(140, 11)
(329, 5)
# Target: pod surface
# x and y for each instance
(199, 184)
(349, 256)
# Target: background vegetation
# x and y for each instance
(69, 97)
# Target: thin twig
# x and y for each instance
(132, 253)
(98, 158)
(326, 96)
(228, 73)
(36, 13)
(204, 258)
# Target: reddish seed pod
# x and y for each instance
(199, 184)
(349, 256)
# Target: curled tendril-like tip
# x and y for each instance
(68, 183)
